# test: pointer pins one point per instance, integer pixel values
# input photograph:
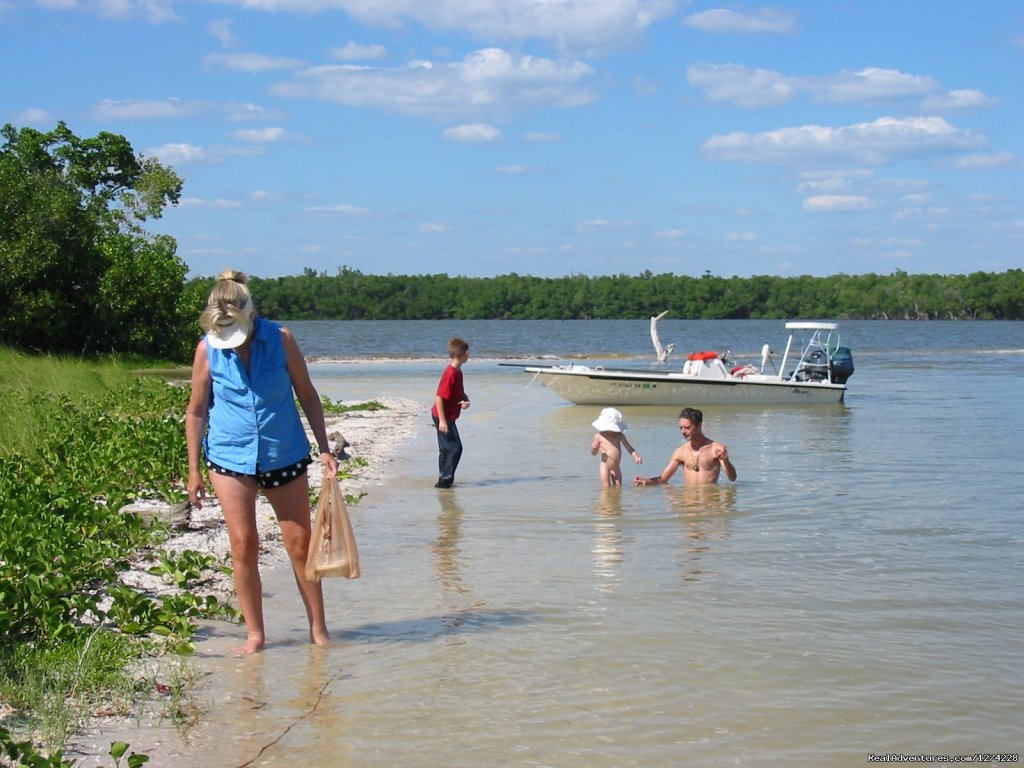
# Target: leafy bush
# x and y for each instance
(64, 541)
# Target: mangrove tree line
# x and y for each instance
(352, 295)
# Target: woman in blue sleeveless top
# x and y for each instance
(242, 418)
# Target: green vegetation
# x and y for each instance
(26, 754)
(333, 407)
(77, 442)
(351, 295)
(77, 272)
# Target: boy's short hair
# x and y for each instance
(694, 415)
(457, 347)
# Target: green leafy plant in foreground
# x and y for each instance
(134, 760)
(64, 541)
(26, 754)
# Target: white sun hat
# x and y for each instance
(610, 420)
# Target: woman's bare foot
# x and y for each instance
(252, 645)
(320, 636)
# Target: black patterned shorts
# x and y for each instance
(275, 478)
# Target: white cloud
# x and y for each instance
(177, 154)
(489, 83)
(343, 208)
(918, 198)
(354, 52)
(753, 88)
(883, 141)
(151, 11)
(261, 135)
(34, 116)
(238, 112)
(475, 133)
(922, 214)
(602, 225)
(198, 202)
(252, 63)
(535, 137)
(515, 170)
(221, 29)
(434, 228)
(827, 203)
(58, 5)
(742, 85)
(743, 237)
(833, 180)
(871, 84)
(981, 162)
(888, 242)
(966, 98)
(570, 24)
(146, 109)
(165, 109)
(670, 234)
(724, 21)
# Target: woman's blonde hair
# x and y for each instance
(229, 301)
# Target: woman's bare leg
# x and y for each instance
(291, 504)
(237, 498)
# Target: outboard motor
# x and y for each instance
(814, 367)
(841, 364)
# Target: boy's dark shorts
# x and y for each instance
(275, 478)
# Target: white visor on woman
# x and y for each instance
(230, 333)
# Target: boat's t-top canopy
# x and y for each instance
(802, 325)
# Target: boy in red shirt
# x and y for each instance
(449, 402)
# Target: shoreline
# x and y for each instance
(375, 436)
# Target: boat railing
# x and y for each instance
(813, 363)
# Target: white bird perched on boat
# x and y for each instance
(662, 352)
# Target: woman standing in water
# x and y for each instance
(242, 418)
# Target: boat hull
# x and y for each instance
(592, 386)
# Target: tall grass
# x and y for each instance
(23, 376)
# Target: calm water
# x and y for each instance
(858, 591)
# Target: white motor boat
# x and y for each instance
(812, 370)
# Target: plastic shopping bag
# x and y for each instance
(332, 545)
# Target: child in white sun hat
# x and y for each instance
(609, 442)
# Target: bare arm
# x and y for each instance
(666, 473)
(632, 451)
(723, 458)
(309, 399)
(196, 413)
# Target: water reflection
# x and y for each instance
(446, 545)
(608, 539)
(275, 699)
(705, 511)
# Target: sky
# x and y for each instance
(551, 137)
